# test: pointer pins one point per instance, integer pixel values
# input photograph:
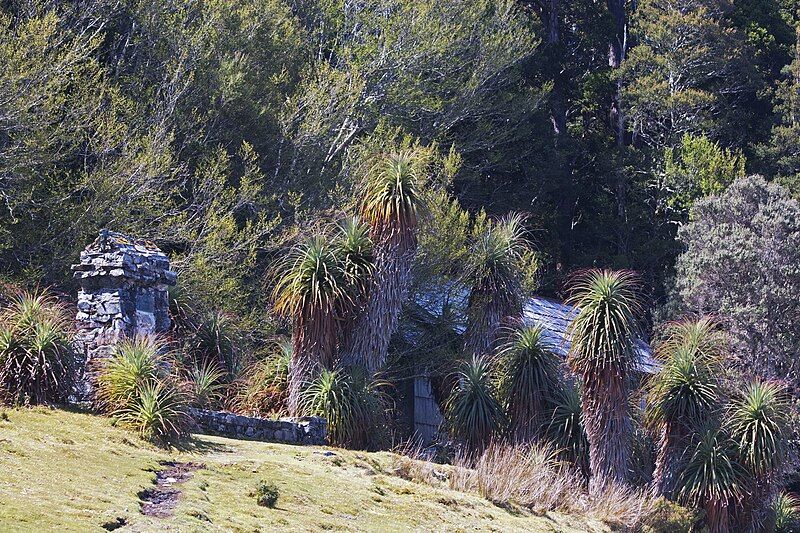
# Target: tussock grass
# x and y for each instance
(530, 478)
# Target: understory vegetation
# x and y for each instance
(570, 230)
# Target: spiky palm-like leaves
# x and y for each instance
(213, 339)
(473, 410)
(36, 359)
(390, 203)
(206, 380)
(495, 278)
(759, 423)
(138, 386)
(602, 355)
(313, 292)
(356, 253)
(265, 388)
(352, 404)
(712, 478)
(529, 381)
(683, 393)
(786, 509)
(566, 427)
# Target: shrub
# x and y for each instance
(206, 382)
(157, 410)
(267, 494)
(36, 360)
(566, 428)
(669, 517)
(529, 380)
(619, 506)
(473, 410)
(353, 405)
(265, 388)
(138, 386)
(215, 338)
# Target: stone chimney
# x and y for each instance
(123, 292)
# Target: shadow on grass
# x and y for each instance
(198, 445)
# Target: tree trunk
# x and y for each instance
(484, 319)
(310, 351)
(608, 429)
(368, 344)
(666, 467)
(717, 516)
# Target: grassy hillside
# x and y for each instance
(70, 471)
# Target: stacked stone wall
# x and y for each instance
(304, 430)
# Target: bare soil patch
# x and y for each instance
(161, 500)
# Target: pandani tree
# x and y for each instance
(602, 355)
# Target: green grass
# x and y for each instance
(69, 471)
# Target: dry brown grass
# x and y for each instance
(619, 506)
(530, 477)
(527, 476)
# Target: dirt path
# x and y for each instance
(161, 500)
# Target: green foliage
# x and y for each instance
(156, 409)
(473, 410)
(353, 405)
(686, 63)
(741, 264)
(213, 339)
(566, 428)
(206, 381)
(139, 388)
(391, 197)
(267, 494)
(787, 512)
(495, 270)
(355, 249)
(529, 381)
(669, 517)
(711, 475)
(36, 358)
(759, 422)
(697, 168)
(496, 263)
(312, 277)
(604, 330)
(686, 389)
(266, 384)
(602, 355)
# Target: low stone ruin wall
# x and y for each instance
(309, 430)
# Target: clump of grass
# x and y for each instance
(36, 359)
(139, 388)
(534, 477)
(267, 494)
(207, 386)
(529, 476)
(265, 388)
(413, 464)
(353, 405)
(619, 506)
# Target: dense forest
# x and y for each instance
(222, 130)
(315, 169)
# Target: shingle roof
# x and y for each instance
(553, 316)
